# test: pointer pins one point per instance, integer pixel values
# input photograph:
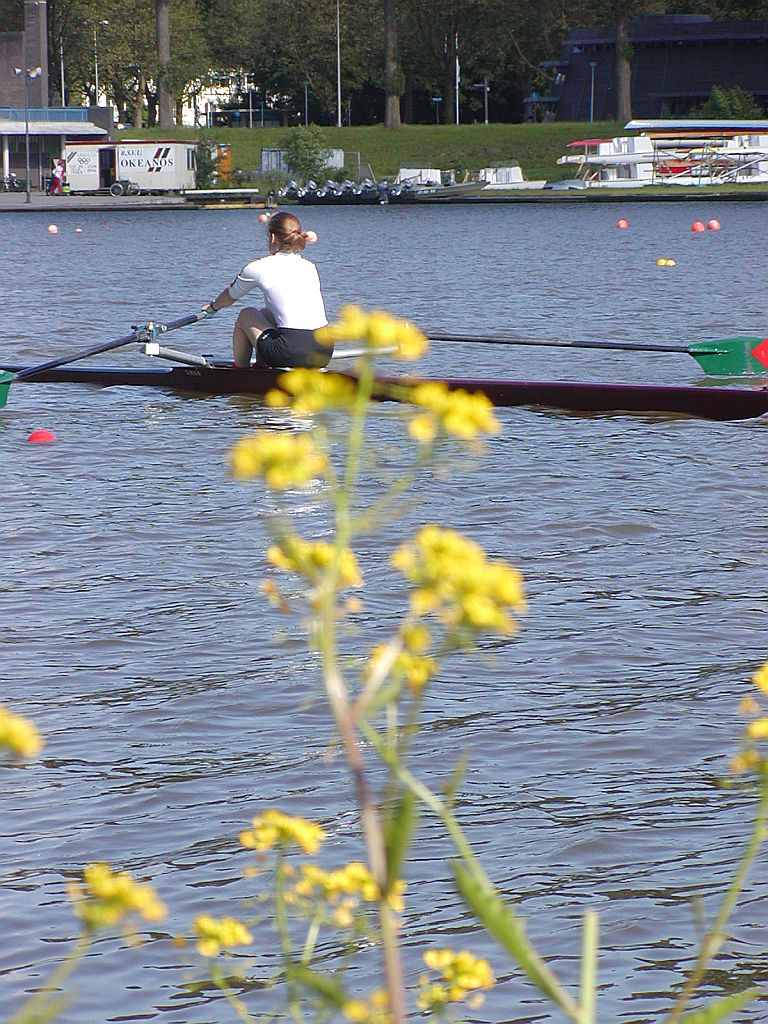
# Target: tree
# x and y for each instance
(305, 154)
(618, 13)
(393, 77)
(164, 94)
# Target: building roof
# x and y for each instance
(13, 127)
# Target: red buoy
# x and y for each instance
(42, 437)
(713, 225)
(698, 226)
(622, 223)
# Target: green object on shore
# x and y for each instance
(729, 357)
(5, 386)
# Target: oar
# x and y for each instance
(727, 357)
(144, 333)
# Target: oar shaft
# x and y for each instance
(107, 346)
(624, 346)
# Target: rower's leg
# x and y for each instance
(248, 326)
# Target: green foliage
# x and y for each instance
(732, 104)
(305, 153)
(207, 160)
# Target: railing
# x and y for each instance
(44, 114)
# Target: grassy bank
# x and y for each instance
(536, 147)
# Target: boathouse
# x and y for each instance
(676, 60)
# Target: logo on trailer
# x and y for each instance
(162, 159)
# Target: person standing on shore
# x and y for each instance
(57, 178)
(282, 332)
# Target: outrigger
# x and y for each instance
(210, 376)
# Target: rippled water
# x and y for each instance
(176, 705)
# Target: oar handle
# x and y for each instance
(138, 334)
(623, 346)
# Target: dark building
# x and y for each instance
(25, 50)
(676, 60)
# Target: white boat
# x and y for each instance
(675, 153)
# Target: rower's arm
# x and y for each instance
(222, 300)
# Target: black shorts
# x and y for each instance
(291, 346)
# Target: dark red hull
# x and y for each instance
(714, 403)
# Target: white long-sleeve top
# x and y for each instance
(291, 287)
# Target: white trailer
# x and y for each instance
(152, 166)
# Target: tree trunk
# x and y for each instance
(164, 94)
(138, 109)
(392, 75)
(623, 71)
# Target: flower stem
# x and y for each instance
(716, 936)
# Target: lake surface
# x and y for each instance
(176, 704)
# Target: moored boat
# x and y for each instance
(218, 377)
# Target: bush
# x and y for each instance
(305, 154)
(731, 104)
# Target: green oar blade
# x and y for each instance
(5, 386)
(729, 357)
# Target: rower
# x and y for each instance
(282, 332)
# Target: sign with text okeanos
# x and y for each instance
(151, 159)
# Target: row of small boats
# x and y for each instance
(373, 193)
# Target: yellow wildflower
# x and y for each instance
(747, 761)
(460, 974)
(758, 730)
(377, 330)
(748, 706)
(374, 1010)
(18, 734)
(760, 678)
(214, 934)
(273, 828)
(354, 879)
(312, 559)
(455, 580)
(311, 391)
(283, 460)
(107, 897)
(454, 412)
(416, 669)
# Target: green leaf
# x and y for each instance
(502, 922)
(720, 1009)
(399, 832)
(325, 985)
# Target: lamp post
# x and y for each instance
(305, 83)
(485, 89)
(27, 73)
(592, 66)
(96, 27)
(61, 65)
(437, 100)
(338, 66)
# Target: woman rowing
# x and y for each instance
(282, 333)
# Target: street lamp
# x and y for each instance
(437, 100)
(305, 83)
(592, 66)
(27, 73)
(485, 89)
(101, 24)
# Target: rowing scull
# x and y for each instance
(220, 378)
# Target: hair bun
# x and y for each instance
(310, 237)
